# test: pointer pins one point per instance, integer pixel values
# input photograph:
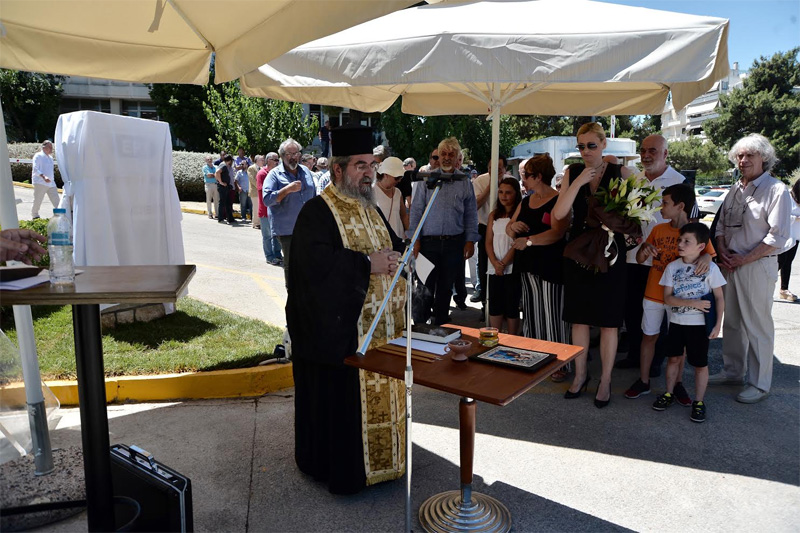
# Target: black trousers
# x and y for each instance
(448, 257)
(785, 265)
(483, 260)
(225, 208)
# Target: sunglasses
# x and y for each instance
(590, 146)
(435, 157)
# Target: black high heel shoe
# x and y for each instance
(601, 403)
(569, 395)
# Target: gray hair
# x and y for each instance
(341, 160)
(756, 143)
(259, 158)
(409, 161)
(286, 144)
(47, 143)
(271, 154)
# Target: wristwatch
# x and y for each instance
(529, 242)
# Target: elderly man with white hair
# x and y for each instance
(286, 188)
(42, 177)
(753, 228)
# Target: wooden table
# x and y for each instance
(95, 286)
(465, 510)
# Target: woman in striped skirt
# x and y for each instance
(539, 241)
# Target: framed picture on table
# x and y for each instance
(515, 358)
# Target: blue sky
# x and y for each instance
(757, 27)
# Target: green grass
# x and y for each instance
(196, 337)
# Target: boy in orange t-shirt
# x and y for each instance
(662, 246)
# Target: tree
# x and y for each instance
(30, 104)
(258, 125)
(415, 136)
(765, 104)
(694, 154)
(182, 106)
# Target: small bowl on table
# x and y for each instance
(458, 349)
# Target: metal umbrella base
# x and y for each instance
(464, 510)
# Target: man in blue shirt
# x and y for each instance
(450, 231)
(286, 188)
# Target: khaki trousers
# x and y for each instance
(748, 331)
(39, 192)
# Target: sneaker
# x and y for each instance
(720, 378)
(698, 412)
(475, 298)
(681, 395)
(664, 401)
(640, 388)
(788, 296)
(751, 394)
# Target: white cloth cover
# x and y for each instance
(118, 171)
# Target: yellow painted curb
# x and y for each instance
(236, 383)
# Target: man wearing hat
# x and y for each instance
(349, 423)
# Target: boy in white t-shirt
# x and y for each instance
(684, 290)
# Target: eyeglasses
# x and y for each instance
(363, 167)
(589, 146)
(275, 159)
(292, 155)
(435, 157)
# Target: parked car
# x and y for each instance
(710, 202)
(700, 190)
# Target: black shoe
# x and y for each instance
(664, 401)
(569, 395)
(627, 363)
(681, 395)
(461, 304)
(601, 403)
(640, 388)
(475, 298)
(698, 412)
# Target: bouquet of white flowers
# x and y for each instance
(631, 198)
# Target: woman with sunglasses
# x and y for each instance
(591, 297)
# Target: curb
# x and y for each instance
(236, 383)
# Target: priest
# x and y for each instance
(349, 423)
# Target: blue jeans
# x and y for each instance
(271, 245)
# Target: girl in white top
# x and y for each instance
(388, 197)
(504, 285)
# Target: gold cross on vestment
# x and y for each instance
(377, 382)
(355, 226)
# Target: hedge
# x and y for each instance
(186, 168)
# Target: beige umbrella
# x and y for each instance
(167, 41)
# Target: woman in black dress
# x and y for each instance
(591, 298)
(539, 241)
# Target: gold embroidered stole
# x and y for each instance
(383, 407)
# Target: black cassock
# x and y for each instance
(327, 287)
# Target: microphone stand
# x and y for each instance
(434, 181)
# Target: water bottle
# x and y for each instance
(59, 245)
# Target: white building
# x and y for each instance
(107, 96)
(678, 125)
(562, 149)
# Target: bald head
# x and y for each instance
(653, 153)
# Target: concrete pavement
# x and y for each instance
(558, 465)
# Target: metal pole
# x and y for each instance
(409, 385)
(37, 415)
(495, 114)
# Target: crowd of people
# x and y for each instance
(668, 282)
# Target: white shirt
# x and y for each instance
(42, 164)
(390, 207)
(501, 244)
(669, 178)
(689, 286)
(480, 184)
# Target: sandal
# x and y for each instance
(559, 375)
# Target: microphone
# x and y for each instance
(435, 176)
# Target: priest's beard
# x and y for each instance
(360, 190)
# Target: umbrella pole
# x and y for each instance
(493, 170)
(409, 385)
(37, 414)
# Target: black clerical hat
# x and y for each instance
(351, 140)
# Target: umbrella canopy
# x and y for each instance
(167, 41)
(546, 57)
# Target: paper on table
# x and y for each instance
(25, 283)
(423, 268)
(424, 346)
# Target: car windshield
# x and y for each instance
(714, 193)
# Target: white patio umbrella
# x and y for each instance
(150, 41)
(523, 57)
